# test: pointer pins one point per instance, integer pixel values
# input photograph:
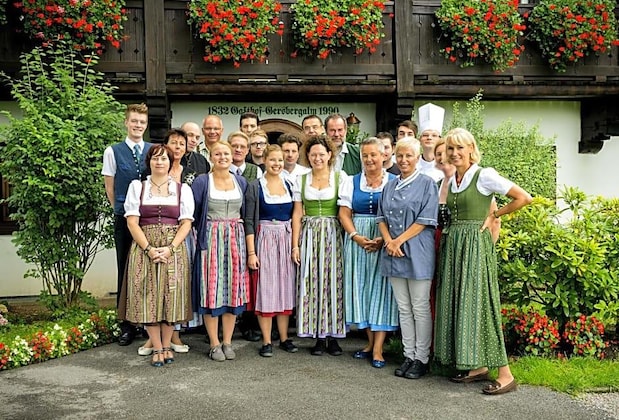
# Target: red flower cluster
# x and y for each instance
(538, 334)
(568, 30)
(484, 29)
(320, 27)
(4, 356)
(41, 347)
(74, 340)
(585, 336)
(87, 24)
(235, 30)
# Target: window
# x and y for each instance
(7, 226)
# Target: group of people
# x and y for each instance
(385, 235)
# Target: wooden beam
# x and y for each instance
(405, 80)
(154, 40)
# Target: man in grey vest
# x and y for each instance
(122, 163)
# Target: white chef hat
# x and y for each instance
(431, 118)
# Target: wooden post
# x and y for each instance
(155, 59)
(405, 77)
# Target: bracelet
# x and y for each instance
(353, 234)
(295, 248)
(251, 253)
(496, 216)
(147, 249)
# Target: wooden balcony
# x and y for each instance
(161, 60)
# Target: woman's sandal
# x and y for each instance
(156, 361)
(168, 360)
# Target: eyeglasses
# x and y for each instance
(211, 129)
(259, 144)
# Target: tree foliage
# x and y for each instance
(52, 160)
(517, 151)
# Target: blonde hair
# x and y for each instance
(271, 148)
(238, 134)
(462, 137)
(408, 143)
(222, 143)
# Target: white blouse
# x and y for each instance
(232, 194)
(275, 199)
(346, 191)
(312, 193)
(489, 181)
(132, 201)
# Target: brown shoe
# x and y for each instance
(495, 388)
(465, 378)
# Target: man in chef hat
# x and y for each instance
(430, 126)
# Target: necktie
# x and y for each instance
(137, 154)
(239, 172)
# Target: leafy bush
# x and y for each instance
(530, 333)
(52, 158)
(564, 259)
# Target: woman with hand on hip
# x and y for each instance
(369, 300)
(468, 322)
(159, 213)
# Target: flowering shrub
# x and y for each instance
(86, 23)
(235, 30)
(538, 334)
(97, 329)
(487, 29)
(568, 30)
(41, 347)
(320, 27)
(585, 337)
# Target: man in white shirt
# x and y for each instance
(240, 148)
(123, 162)
(213, 129)
(290, 144)
(249, 122)
(347, 156)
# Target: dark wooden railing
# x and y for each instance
(162, 59)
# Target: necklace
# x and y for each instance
(374, 182)
(159, 185)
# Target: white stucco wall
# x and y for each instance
(591, 173)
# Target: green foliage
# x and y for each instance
(517, 151)
(52, 160)
(565, 259)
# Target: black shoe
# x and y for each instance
(125, 339)
(333, 348)
(417, 370)
(251, 335)
(288, 346)
(401, 371)
(266, 350)
(320, 347)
